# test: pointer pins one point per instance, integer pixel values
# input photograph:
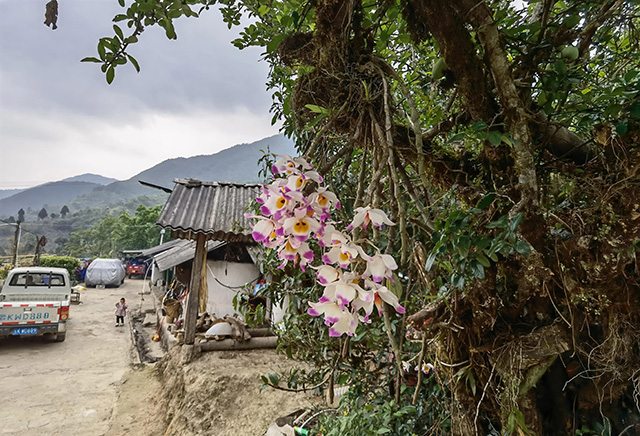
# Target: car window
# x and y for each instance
(37, 279)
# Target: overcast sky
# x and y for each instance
(59, 118)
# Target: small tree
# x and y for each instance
(11, 219)
(64, 211)
(43, 213)
(21, 215)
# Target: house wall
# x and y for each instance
(219, 297)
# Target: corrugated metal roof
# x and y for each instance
(182, 252)
(214, 208)
(160, 248)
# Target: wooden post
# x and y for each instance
(16, 242)
(191, 314)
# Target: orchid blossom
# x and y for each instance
(365, 215)
(291, 217)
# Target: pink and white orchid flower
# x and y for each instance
(365, 215)
(341, 254)
(291, 216)
(293, 250)
(288, 165)
(327, 274)
(263, 230)
(379, 267)
(300, 225)
(382, 293)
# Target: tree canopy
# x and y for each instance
(116, 233)
(503, 139)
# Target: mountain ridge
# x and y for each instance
(238, 164)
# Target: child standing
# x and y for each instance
(121, 312)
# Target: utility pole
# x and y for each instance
(16, 240)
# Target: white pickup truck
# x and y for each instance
(34, 301)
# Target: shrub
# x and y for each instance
(66, 262)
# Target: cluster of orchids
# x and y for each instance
(290, 218)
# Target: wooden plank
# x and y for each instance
(191, 313)
(231, 344)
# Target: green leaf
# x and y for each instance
(560, 67)
(383, 431)
(118, 32)
(515, 221)
(486, 201)
(484, 261)
(572, 20)
(430, 260)
(481, 242)
(456, 137)
(506, 138)
(101, 49)
(457, 280)
(499, 223)
(495, 138)
(477, 269)
(520, 419)
(622, 127)
(316, 109)
(272, 45)
(612, 110)
(479, 125)
(472, 383)
(273, 379)
(463, 245)
(111, 73)
(630, 75)
(542, 98)
(134, 62)
(522, 247)
(96, 60)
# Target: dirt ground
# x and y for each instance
(95, 383)
(70, 387)
(217, 394)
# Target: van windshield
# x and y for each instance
(37, 279)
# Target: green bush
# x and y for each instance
(66, 262)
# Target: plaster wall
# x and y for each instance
(231, 274)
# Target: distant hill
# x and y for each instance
(91, 178)
(89, 200)
(236, 164)
(47, 195)
(4, 193)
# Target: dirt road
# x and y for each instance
(69, 388)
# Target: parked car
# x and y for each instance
(107, 272)
(137, 267)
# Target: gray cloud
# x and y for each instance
(51, 103)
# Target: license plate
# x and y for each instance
(26, 331)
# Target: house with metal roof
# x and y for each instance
(216, 254)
